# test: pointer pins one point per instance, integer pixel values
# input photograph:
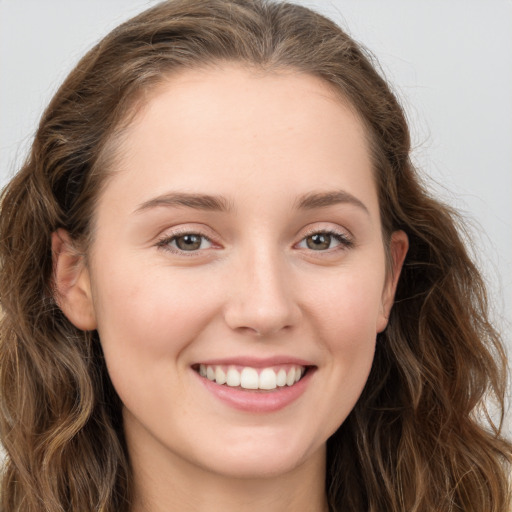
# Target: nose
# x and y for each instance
(262, 298)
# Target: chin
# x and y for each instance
(257, 467)
(264, 458)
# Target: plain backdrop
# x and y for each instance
(450, 62)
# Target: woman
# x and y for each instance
(224, 286)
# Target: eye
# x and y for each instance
(187, 242)
(325, 240)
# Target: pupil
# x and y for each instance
(188, 242)
(319, 241)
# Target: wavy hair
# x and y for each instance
(419, 439)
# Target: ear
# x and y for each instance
(71, 283)
(399, 244)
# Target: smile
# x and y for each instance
(252, 378)
(256, 386)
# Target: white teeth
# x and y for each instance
(290, 377)
(249, 378)
(220, 376)
(268, 379)
(233, 378)
(281, 377)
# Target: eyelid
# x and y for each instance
(329, 229)
(344, 236)
(164, 240)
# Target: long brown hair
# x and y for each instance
(419, 438)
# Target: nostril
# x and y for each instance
(261, 301)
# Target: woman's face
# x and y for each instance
(239, 239)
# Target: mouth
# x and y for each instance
(252, 378)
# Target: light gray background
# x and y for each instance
(450, 62)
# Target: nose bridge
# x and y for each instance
(262, 299)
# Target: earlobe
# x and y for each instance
(399, 245)
(71, 282)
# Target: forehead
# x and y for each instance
(233, 129)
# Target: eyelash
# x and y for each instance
(165, 241)
(345, 241)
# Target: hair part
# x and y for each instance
(414, 442)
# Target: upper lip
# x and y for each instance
(256, 362)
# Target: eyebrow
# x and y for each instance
(314, 200)
(208, 202)
(188, 200)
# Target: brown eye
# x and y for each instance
(319, 241)
(188, 242)
(326, 241)
(185, 243)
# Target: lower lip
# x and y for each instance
(258, 401)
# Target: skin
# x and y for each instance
(255, 288)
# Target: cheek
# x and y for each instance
(146, 320)
(145, 324)
(347, 308)
(344, 325)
